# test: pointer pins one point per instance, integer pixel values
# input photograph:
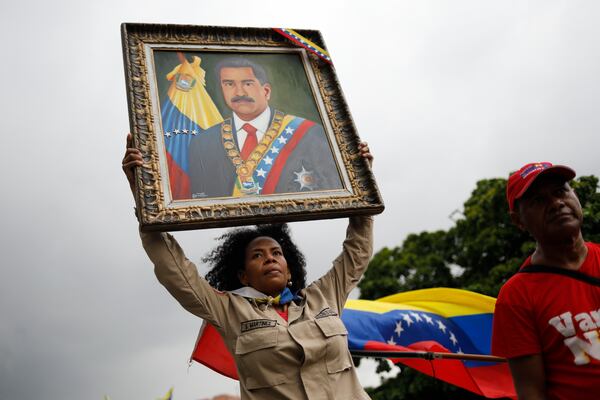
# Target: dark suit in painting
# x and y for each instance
(298, 159)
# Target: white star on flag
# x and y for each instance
(416, 316)
(274, 150)
(428, 319)
(194, 132)
(289, 130)
(398, 329)
(168, 134)
(185, 131)
(391, 341)
(441, 326)
(268, 160)
(282, 140)
(176, 131)
(261, 172)
(453, 338)
(406, 317)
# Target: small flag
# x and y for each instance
(304, 42)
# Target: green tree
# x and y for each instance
(479, 253)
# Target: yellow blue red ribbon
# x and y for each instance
(304, 42)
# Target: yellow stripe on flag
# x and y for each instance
(446, 302)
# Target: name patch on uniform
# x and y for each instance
(257, 324)
(326, 312)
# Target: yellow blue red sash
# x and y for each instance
(260, 174)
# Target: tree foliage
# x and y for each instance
(479, 253)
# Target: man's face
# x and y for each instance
(549, 210)
(243, 93)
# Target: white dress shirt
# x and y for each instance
(261, 123)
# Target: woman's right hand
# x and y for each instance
(365, 152)
(132, 159)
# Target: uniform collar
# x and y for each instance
(249, 292)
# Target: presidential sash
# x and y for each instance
(260, 172)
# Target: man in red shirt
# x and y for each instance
(547, 324)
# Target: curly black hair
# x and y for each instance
(228, 258)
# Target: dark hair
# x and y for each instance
(228, 258)
(240, 62)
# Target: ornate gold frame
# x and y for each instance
(154, 210)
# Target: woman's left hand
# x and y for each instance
(363, 148)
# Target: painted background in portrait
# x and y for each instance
(290, 93)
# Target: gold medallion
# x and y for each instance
(255, 156)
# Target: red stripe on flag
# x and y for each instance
(211, 351)
(179, 180)
(273, 177)
(493, 381)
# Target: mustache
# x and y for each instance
(242, 98)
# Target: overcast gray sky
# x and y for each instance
(446, 93)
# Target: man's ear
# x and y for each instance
(267, 89)
(515, 217)
(243, 277)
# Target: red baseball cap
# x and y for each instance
(519, 182)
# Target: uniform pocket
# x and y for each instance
(255, 351)
(256, 340)
(337, 357)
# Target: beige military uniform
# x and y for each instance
(305, 357)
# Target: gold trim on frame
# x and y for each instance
(361, 197)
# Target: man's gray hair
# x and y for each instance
(241, 62)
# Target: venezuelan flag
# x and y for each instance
(187, 111)
(433, 320)
(210, 350)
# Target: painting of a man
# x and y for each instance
(258, 150)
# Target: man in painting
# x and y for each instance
(257, 149)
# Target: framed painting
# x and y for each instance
(240, 126)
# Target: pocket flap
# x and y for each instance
(255, 340)
(331, 326)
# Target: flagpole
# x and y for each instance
(428, 355)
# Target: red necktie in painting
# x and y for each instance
(251, 141)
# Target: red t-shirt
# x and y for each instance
(558, 317)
